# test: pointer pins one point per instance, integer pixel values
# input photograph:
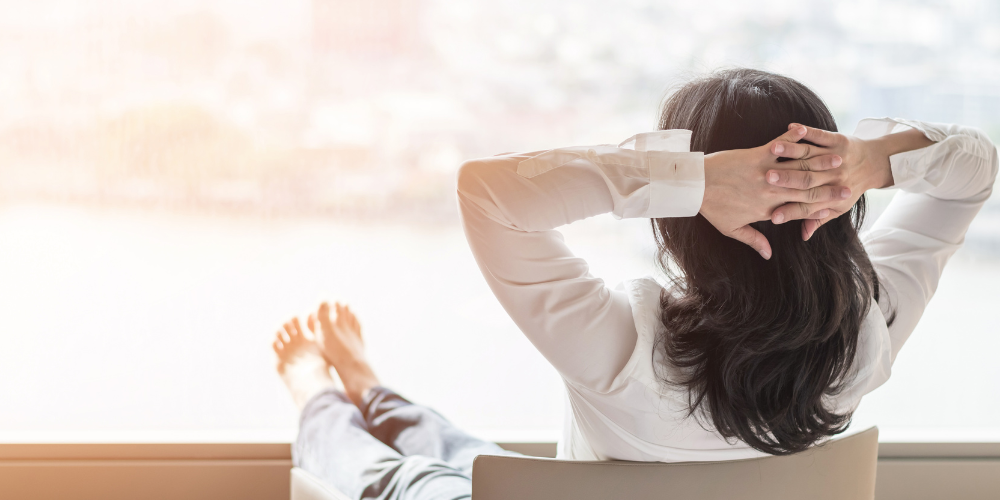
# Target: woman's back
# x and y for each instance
(641, 419)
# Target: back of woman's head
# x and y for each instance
(760, 345)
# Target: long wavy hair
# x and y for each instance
(759, 345)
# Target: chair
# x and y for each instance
(306, 486)
(841, 469)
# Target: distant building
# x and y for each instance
(365, 26)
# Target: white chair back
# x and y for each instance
(841, 469)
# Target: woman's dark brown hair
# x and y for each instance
(760, 345)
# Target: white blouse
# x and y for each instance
(601, 339)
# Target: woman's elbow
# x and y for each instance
(481, 179)
(474, 187)
(985, 149)
(994, 163)
(991, 165)
(470, 176)
(976, 158)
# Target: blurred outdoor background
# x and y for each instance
(177, 178)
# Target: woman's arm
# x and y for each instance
(511, 204)
(943, 186)
(866, 166)
(945, 174)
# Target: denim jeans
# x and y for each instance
(388, 449)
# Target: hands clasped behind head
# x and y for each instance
(781, 181)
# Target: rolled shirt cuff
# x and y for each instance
(908, 168)
(676, 184)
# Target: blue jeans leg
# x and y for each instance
(334, 444)
(412, 429)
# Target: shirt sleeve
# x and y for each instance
(510, 207)
(942, 187)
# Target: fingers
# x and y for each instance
(311, 322)
(817, 195)
(794, 134)
(815, 135)
(796, 211)
(754, 238)
(801, 179)
(796, 179)
(788, 145)
(789, 149)
(799, 151)
(809, 227)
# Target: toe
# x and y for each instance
(353, 320)
(342, 316)
(297, 328)
(324, 315)
(293, 332)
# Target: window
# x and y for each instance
(177, 178)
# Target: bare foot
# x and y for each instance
(339, 339)
(301, 364)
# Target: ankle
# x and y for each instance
(305, 380)
(358, 382)
(358, 396)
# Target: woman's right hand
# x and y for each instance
(862, 169)
(865, 166)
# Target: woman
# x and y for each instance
(742, 356)
(777, 320)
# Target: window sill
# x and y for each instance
(276, 444)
